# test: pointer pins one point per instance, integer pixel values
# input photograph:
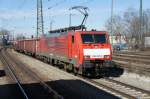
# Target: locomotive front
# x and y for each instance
(95, 50)
(96, 46)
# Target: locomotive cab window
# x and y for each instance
(93, 38)
(72, 39)
(100, 38)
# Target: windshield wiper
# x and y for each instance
(88, 42)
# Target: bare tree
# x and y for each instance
(117, 25)
(117, 28)
(146, 22)
(132, 26)
(129, 25)
(20, 37)
(4, 32)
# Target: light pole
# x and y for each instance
(112, 10)
(70, 19)
(13, 33)
(141, 24)
(51, 24)
(51, 21)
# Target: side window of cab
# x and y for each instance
(72, 39)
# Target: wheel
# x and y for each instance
(75, 71)
(65, 67)
(70, 67)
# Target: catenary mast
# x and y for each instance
(40, 25)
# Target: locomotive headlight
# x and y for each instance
(75, 56)
(87, 56)
(107, 56)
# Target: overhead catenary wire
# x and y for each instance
(56, 4)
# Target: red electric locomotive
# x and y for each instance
(77, 50)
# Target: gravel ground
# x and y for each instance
(67, 85)
(23, 77)
(139, 78)
(140, 69)
(4, 78)
(1, 66)
(135, 80)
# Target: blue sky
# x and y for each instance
(19, 16)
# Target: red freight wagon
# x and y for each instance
(15, 45)
(31, 46)
(20, 45)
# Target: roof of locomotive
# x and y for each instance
(90, 31)
(56, 34)
(71, 28)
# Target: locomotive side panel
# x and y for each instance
(42, 46)
(58, 47)
(75, 49)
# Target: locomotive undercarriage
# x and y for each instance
(94, 68)
(89, 67)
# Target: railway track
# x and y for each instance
(125, 90)
(9, 64)
(136, 62)
(132, 56)
(132, 66)
(119, 89)
(133, 60)
(134, 53)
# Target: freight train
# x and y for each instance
(74, 48)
